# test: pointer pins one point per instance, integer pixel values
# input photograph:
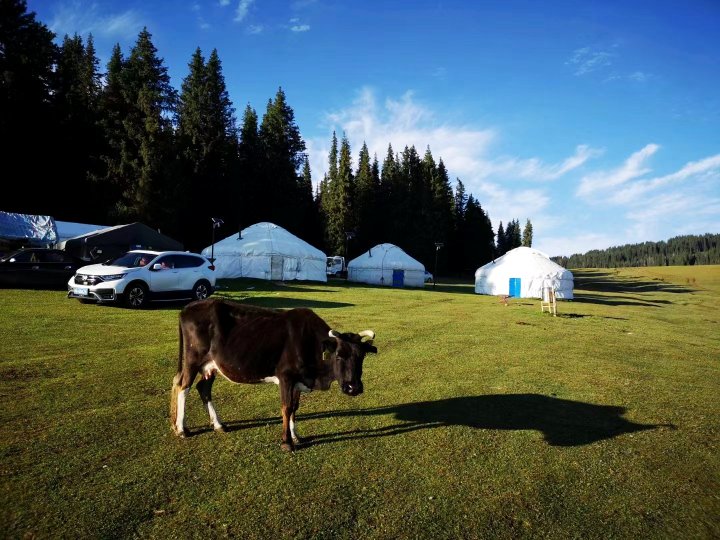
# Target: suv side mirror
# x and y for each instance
(157, 266)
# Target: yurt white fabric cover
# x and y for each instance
(267, 251)
(378, 265)
(534, 269)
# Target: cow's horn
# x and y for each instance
(333, 333)
(367, 333)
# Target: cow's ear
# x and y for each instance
(329, 345)
(370, 349)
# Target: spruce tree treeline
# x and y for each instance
(677, 251)
(123, 145)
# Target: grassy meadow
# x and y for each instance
(479, 420)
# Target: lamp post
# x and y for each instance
(216, 222)
(348, 236)
(438, 245)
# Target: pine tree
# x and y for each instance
(207, 143)
(109, 176)
(441, 208)
(477, 235)
(284, 154)
(514, 238)
(310, 222)
(147, 149)
(253, 203)
(27, 126)
(338, 202)
(367, 192)
(527, 236)
(501, 245)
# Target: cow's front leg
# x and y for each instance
(180, 389)
(290, 399)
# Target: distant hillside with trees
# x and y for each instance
(678, 251)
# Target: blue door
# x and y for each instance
(398, 278)
(515, 287)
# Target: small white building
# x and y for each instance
(387, 264)
(524, 272)
(267, 251)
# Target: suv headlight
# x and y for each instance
(113, 277)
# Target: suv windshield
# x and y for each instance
(133, 259)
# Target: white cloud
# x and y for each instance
(496, 181)
(586, 60)
(686, 201)
(639, 76)
(300, 28)
(242, 9)
(708, 167)
(77, 17)
(632, 168)
(613, 206)
(255, 29)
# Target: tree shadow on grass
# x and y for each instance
(613, 300)
(562, 422)
(279, 302)
(611, 282)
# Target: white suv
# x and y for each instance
(140, 276)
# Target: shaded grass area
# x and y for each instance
(478, 419)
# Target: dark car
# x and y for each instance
(38, 268)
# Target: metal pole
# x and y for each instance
(438, 245)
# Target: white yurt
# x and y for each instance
(267, 251)
(387, 264)
(523, 272)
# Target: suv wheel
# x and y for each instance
(136, 295)
(201, 290)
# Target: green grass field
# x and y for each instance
(478, 420)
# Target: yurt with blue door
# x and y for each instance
(387, 264)
(524, 272)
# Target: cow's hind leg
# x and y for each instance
(204, 388)
(296, 403)
(290, 399)
(180, 389)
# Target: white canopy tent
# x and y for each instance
(69, 229)
(267, 251)
(524, 272)
(387, 264)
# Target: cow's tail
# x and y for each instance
(177, 378)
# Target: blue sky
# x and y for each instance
(599, 121)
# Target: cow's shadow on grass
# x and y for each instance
(562, 422)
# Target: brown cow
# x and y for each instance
(294, 349)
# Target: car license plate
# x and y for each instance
(80, 291)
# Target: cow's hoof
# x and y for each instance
(183, 433)
(222, 429)
(287, 447)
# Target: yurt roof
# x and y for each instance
(525, 260)
(265, 239)
(386, 256)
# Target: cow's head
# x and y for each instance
(347, 352)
